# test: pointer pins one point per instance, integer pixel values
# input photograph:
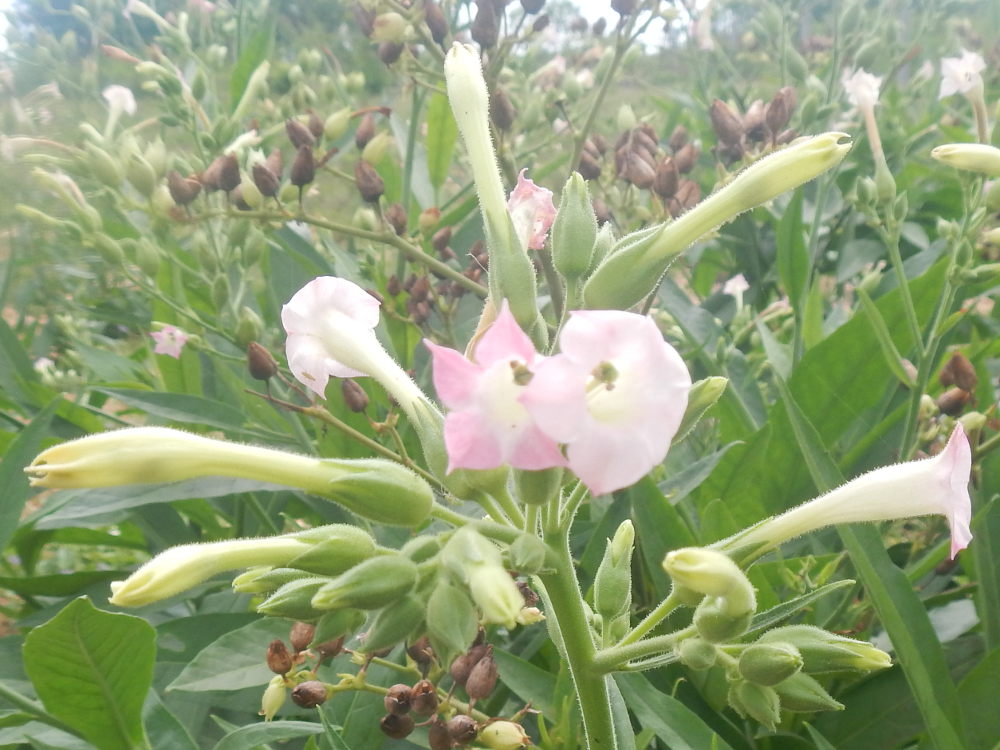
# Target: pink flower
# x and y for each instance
(615, 395)
(532, 212)
(932, 486)
(169, 340)
(487, 426)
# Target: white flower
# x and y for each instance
(961, 75)
(120, 99)
(862, 88)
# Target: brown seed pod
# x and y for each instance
(589, 168)
(365, 131)
(438, 736)
(678, 137)
(779, 110)
(354, 395)
(959, 371)
(436, 22)
(397, 699)
(727, 124)
(279, 660)
(275, 162)
(396, 726)
(310, 694)
(393, 286)
(262, 366)
(369, 182)
(182, 189)
(315, 125)
(267, 182)
(301, 633)
(623, 7)
(540, 23)
(599, 27)
(463, 664)
(953, 401)
(753, 122)
(424, 698)
(502, 112)
(483, 677)
(441, 238)
(329, 649)
(304, 167)
(463, 729)
(485, 28)
(390, 52)
(298, 134)
(687, 157)
(420, 289)
(532, 6)
(667, 178)
(395, 215)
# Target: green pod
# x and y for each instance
(104, 166)
(141, 175)
(715, 625)
(378, 490)
(769, 663)
(613, 582)
(336, 548)
(823, 651)
(697, 654)
(527, 553)
(537, 487)
(703, 396)
(394, 624)
(759, 702)
(339, 622)
(294, 599)
(574, 230)
(372, 584)
(451, 620)
(800, 692)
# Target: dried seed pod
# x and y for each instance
(393, 287)
(502, 112)
(589, 168)
(601, 211)
(753, 122)
(438, 736)
(441, 238)
(599, 27)
(960, 372)
(236, 198)
(329, 649)
(275, 162)
(420, 289)
(267, 182)
(365, 131)
(667, 178)
(424, 698)
(301, 633)
(637, 170)
(485, 27)
(315, 125)
(483, 677)
(687, 157)
(786, 136)
(279, 660)
(463, 729)
(540, 23)
(310, 694)
(461, 668)
(260, 363)
(688, 193)
(779, 110)
(304, 167)
(396, 726)
(369, 183)
(421, 652)
(527, 593)
(726, 123)
(395, 214)
(365, 19)
(953, 401)
(354, 395)
(182, 189)
(228, 172)
(389, 52)
(532, 6)
(436, 21)
(298, 133)
(397, 699)
(678, 137)
(623, 7)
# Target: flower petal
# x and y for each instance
(454, 376)
(504, 340)
(531, 211)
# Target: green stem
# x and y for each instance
(568, 623)
(651, 620)
(892, 244)
(614, 658)
(506, 502)
(36, 710)
(448, 515)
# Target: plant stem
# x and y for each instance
(651, 620)
(568, 621)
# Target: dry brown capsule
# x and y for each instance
(436, 22)
(753, 122)
(275, 162)
(395, 215)
(687, 157)
(354, 395)
(260, 363)
(315, 125)
(303, 168)
(532, 6)
(310, 694)
(396, 726)
(441, 238)
(267, 182)
(624, 7)
(298, 134)
(589, 168)
(369, 182)
(424, 698)
(485, 28)
(279, 660)
(393, 286)
(678, 137)
(483, 677)
(953, 401)
(365, 131)
(397, 699)
(463, 664)
(390, 52)
(301, 633)
(725, 122)
(540, 23)
(182, 189)
(420, 289)
(667, 178)
(329, 649)
(438, 736)
(959, 371)
(502, 112)
(463, 729)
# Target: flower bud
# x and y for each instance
(395, 726)
(310, 694)
(613, 582)
(823, 651)
(759, 702)
(574, 230)
(800, 692)
(975, 157)
(475, 560)
(372, 584)
(279, 660)
(260, 363)
(301, 635)
(397, 699)
(696, 654)
(105, 167)
(483, 677)
(714, 574)
(463, 729)
(303, 167)
(527, 553)
(769, 663)
(294, 599)
(424, 698)
(333, 626)
(716, 624)
(370, 184)
(394, 624)
(265, 579)
(141, 175)
(274, 697)
(703, 396)
(336, 125)
(503, 735)
(333, 549)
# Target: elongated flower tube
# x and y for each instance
(963, 75)
(180, 568)
(512, 275)
(975, 157)
(626, 277)
(379, 490)
(932, 486)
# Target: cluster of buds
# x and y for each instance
(636, 155)
(761, 124)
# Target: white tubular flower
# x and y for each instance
(962, 75)
(932, 486)
(862, 88)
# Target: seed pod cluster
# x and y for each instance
(960, 374)
(761, 124)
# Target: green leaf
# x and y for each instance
(900, 610)
(624, 733)
(180, 407)
(792, 254)
(774, 615)
(333, 735)
(442, 132)
(234, 661)
(812, 316)
(92, 670)
(530, 683)
(163, 728)
(255, 51)
(15, 367)
(671, 720)
(892, 356)
(660, 529)
(255, 735)
(61, 584)
(12, 477)
(977, 689)
(986, 552)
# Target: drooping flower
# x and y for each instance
(120, 98)
(961, 75)
(170, 340)
(532, 212)
(932, 486)
(862, 88)
(615, 395)
(487, 426)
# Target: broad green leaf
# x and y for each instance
(771, 617)
(15, 367)
(986, 553)
(900, 610)
(180, 407)
(529, 683)
(332, 733)
(12, 477)
(619, 714)
(792, 254)
(255, 735)
(92, 669)
(659, 529)
(163, 728)
(442, 132)
(671, 720)
(234, 661)
(61, 584)
(979, 688)
(892, 356)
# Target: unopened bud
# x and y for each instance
(372, 584)
(975, 157)
(697, 654)
(463, 729)
(424, 698)
(483, 677)
(395, 726)
(574, 230)
(260, 363)
(759, 702)
(397, 699)
(613, 582)
(336, 125)
(712, 573)
(394, 624)
(298, 133)
(279, 660)
(703, 395)
(294, 598)
(304, 167)
(334, 626)
(274, 697)
(503, 735)
(527, 554)
(769, 663)
(800, 692)
(370, 184)
(823, 651)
